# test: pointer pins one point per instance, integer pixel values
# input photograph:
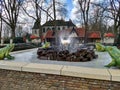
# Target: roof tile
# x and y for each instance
(80, 32)
(94, 34)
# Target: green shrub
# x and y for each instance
(18, 40)
(118, 39)
(7, 40)
(15, 40)
(23, 46)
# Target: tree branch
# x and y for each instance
(28, 13)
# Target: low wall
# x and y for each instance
(31, 76)
(17, 80)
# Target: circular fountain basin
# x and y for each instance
(31, 57)
(27, 61)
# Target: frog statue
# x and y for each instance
(46, 45)
(113, 51)
(4, 52)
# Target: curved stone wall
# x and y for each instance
(31, 76)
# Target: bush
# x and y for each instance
(23, 46)
(15, 40)
(2, 46)
(7, 40)
(118, 40)
(18, 40)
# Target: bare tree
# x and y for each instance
(98, 20)
(10, 13)
(84, 9)
(6, 31)
(62, 11)
(38, 14)
(0, 17)
(48, 12)
(54, 9)
(19, 32)
(115, 11)
(59, 8)
(37, 8)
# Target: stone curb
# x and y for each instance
(74, 71)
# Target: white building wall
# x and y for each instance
(50, 27)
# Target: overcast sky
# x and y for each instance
(24, 18)
(72, 7)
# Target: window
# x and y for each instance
(53, 28)
(43, 30)
(35, 31)
(58, 28)
(63, 28)
(48, 28)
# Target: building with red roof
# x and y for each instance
(34, 37)
(109, 35)
(49, 34)
(50, 25)
(93, 36)
(65, 29)
(74, 34)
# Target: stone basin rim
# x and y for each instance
(74, 71)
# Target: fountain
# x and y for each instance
(65, 43)
(65, 53)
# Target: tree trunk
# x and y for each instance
(1, 25)
(116, 34)
(40, 30)
(85, 37)
(0, 34)
(38, 22)
(56, 32)
(13, 33)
